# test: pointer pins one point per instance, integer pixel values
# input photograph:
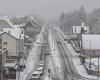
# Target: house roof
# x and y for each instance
(5, 23)
(15, 32)
(30, 23)
(19, 26)
(10, 65)
(91, 41)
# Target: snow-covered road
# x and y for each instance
(31, 62)
(74, 57)
(55, 54)
(33, 57)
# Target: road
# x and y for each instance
(58, 61)
(70, 72)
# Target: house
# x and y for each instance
(11, 48)
(77, 29)
(30, 28)
(91, 44)
(5, 22)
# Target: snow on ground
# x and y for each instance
(50, 65)
(76, 61)
(47, 78)
(31, 60)
(94, 63)
(55, 54)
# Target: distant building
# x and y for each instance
(30, 28)
(91, 44)
(77, 29)
(11, 46)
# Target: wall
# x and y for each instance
(92, 53)
(12, 44)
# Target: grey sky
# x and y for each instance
(44, 8)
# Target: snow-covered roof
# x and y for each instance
(5, 22)
(91, 41)
(19, 26)
(30, 22)
(15, 32)
(10, 65)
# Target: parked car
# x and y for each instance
(41, 64)
(40, 70)
(35, 76)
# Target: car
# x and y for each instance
(41, 63)
(35, 75)
(40, 70)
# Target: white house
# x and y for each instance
(77, 29)
(91, 44)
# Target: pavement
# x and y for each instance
(32, 59)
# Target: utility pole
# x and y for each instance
(81, 57)
(19, 59)
(98, 64)
(1, 68)
(90, 57)
(1, 61)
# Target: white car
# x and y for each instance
(40, 70)
(41, 63)
(35, 76)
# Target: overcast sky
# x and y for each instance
(45, 8)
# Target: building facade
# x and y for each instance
(12, 48)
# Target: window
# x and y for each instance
(5, 43)
(4, 48)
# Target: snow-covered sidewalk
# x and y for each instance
(32, 60)
(77, 64)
